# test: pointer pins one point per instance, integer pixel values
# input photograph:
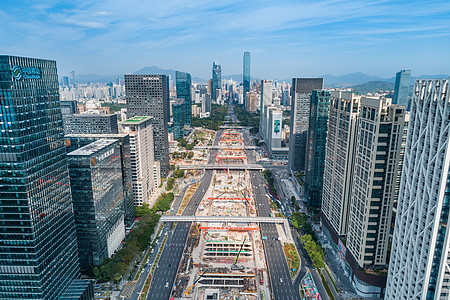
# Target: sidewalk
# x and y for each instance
(336, 269)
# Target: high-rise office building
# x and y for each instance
(97, 191)
(183, 84)
(90, 123)
(339, 160)
(379, 133)
(179, 114)
(38, 246)
(216, 83)
(266, 100)
(252, 101)
(66, 80)
(360, 180)
(148, 95)
(72, 78)
(419, 262)
(317, 142)
(273, 140)
(246, 76)
(206, 103)
(401, 87)
(141, 132)
(301, 100)
(76, 141)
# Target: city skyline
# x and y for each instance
(332, 37)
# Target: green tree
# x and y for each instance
(190, 155)
(178, 173)
(170, 183)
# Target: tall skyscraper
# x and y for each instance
(96, 181)
(317, 141)
(216, 80)
(339, 160)
(66, 80)
(141, 132)
(38, 245)
(401, 88)
(183, 84)
(360, 181)
(148, 95)
(379, 133)
(246, 76)
(273, 140)
(178, 109)
(206, 103)
(266, 100)
(91, 124)
(419, 263)
(301, 98)
(75, 141)
(252, 99)
(72, 77)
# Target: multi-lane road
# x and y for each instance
(280, 277)
(165, 274)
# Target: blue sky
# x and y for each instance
(285, 38)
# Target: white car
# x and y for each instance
(281, 280)
(167, 284)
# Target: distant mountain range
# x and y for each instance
(373, 87)
(345, 80)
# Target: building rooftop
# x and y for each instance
(76, 289)
(87, 135)
(92, 147)
(135, 120)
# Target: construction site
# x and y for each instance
(225, 260)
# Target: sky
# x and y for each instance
(286, 38)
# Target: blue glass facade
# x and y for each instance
(401, 87)
(246, 76)
(178, 110)
(183, 83)
(38, 246)
(317, 142)
(75, 141)
(97, 191)
(216, 80)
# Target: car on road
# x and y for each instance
(168, 266)
(167, 284)
(281, 280)
(271, 245)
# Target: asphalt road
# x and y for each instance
(281, 282)
(166, 271)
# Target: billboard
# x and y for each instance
(276, 125)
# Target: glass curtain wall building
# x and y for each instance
(216, 80)
(301, 102)
(183, 84)
(401, 87)
(38, 246)
(317, 143)
(246, 76)
(148, 95)
(178, 110)
(97, 191)
(75, 141)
